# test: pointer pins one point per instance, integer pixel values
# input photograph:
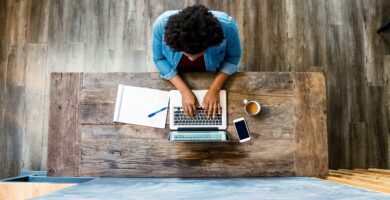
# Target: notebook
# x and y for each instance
(134, 104)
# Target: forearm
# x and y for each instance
(179, 84)
(188, 99)
(219, 81)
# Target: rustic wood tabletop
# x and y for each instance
(289, 137)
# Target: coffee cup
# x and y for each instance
(252, 107)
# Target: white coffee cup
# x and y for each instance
(252, 107)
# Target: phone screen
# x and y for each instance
(242, 130)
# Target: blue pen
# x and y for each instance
(152, 114)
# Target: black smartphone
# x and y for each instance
(242, 129)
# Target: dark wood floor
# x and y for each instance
(336, 37)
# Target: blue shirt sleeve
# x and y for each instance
(165, 68)
(233, 49)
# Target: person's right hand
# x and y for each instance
(189, 102)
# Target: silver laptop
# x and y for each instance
(200, 128)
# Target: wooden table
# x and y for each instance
(289, 138)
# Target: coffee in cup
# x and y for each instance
(252, 107)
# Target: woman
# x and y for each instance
(196, 39)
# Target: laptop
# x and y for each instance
(200, 128)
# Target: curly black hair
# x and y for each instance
(193, 30)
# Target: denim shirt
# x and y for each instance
(223, 57)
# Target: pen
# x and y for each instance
(152, 114)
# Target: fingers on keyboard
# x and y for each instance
(200, 118)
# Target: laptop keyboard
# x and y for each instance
(200, 118)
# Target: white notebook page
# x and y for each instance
(134, 104)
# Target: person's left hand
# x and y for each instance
(211, 102)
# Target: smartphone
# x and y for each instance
(242, 129)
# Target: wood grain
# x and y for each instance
(3, 75)
(151, 157)
(38, 21)
(17, 20)
(283, 142)
(387, 91)
(385, 18)
(14, 110)
(20, 191)
(372, 179)
(309, 124)
(97, 14)
(97, 105)
(359, 184)
(379, 154)
(99, 92)
(64, 127)
(76, 58)
(379, 177)
(336, 37)
(34, 105)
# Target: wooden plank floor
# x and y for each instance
(337, 37)
(21, 191)
(372, 179)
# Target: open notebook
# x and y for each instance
(134, 104)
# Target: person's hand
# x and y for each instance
(189, 102)
(211, 102)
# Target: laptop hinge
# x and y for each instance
(199, 129)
